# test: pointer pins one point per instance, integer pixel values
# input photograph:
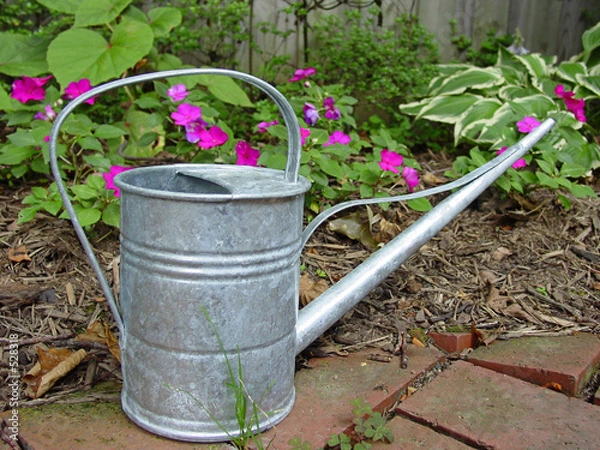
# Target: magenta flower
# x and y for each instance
(48, 114)
(213, 137)
(311, 115)
(193, 130)
(246, 155)
(76, 88)
(109, 178)
(576, 106)
(27, 88)
(301, 74)
(390, 160)
(177, 92)
(304, 133)
(332, 112)
(411, 177)
(338, 137)
(186, 114)
(262, 126)
(518, 164)
(527, 124)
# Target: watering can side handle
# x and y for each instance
(512, 153)
(291, 171)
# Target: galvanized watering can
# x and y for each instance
(210, 258)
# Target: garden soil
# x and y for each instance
(504, 268)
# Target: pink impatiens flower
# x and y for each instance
(311, 115)
(528, 124)
(338, 137)
(246, 155)
(576, 106)
(213, 137)
(390, 160)
(262, 126)
(186, 114)
(518, 164)
(76, 88)
(301, 74)
(411, 176)
(109, 178)
(177, 92)
(27, 88)
(332, 112)
(304, 133)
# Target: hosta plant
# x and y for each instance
(493, 107)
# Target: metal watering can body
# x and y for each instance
(210, 273)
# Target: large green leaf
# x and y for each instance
(98, 12)
(11, 155)
(590, 41)
(538, 106)
(22, 55)
(590, 83)
(474, 118)
(569, 70)
(225, 89)
(474, 78)
(447, 108)
(64, 6)
(535, 65)
(163, 20)
(82, 53)
(4, 100)
(146, 134)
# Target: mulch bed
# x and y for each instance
(504, 267)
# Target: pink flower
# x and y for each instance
(518, 164)
(576, 106)
(177, 92)
(193, 130)
(390, 160)
(301, 74)
(109, 178)
(48, 114)
(304, 133)
(186, 114)
(76, 88)
(262, 126)
(411, 177)
(27, 88)
(338, 137)
(212, 138)
(527, 124)
(246, 155)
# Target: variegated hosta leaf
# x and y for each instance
(536, 65)
(503, 117)
(590, 83)
(538, 106)
(511, 92)
(475, 118)
(590, 41)
(568, 71)
(473, 78)
(447, 108)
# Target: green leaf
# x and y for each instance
(84, 192)
(90, 143)
(581, 191)
(535, 65)
(419, 204)
(447, 109)
(163, 20)
(27, 214)
(22, 138)
(147, 134)
(53, 206)
(564, 201)
(90, 56)
(22, 55)
(569, 70)
(111, 215)
(330, 167)
(5, 104)
(225, 89)
(535, 105)
(108, 132)
(474, 78)
(11, 155)
(87, 216)
(99, 12)
(545, 180)
(475, 118)
(590, 41)
(591, 83)
(64, 6)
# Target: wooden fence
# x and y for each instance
(551, 27)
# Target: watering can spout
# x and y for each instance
(320, 314)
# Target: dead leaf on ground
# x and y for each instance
(18, 254)
(100, 332)
(387, 231)
(355, 228)
(309, 289)
(495, 300)
(52, 365)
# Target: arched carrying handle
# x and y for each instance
(290, 174)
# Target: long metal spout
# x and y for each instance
(320, 314)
